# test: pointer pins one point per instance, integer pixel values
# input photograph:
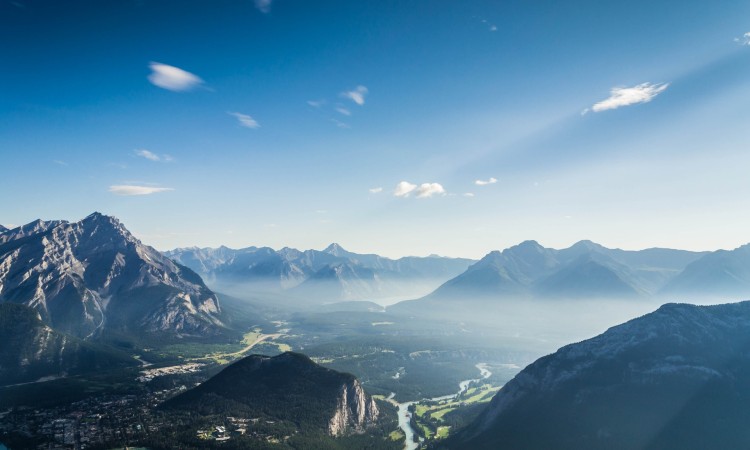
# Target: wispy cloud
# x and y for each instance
(245, 120)
(468, 194)
(376, 190)
(744, 39)
(60, 163)
(340, 109)
(151, 156)
(424, 190)
(316, 103)
(129, 190)
(263, 5)
(626, 96)
(340, 124)
(172, 78)
(357, 95)
(485, 182)
(491, 26)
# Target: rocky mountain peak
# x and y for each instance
(91, 275)
(335, 250)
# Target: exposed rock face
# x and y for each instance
(91, 276)
(677, 378)
(354, 411)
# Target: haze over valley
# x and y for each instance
(338, 224)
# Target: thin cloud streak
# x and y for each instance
(151, 156)
(492, 180)
(245, 120)
(133, 190)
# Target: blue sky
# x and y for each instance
(303, 122)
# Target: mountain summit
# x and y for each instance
(93, 276)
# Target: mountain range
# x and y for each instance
(320, 276)
(677, 378)
(93, 277)
(588, 270)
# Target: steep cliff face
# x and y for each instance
(355, 411)
(91, 276)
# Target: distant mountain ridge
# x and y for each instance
(332, 274)
(587, 270)
(677, 378)
(92, 276)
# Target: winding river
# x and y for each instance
(403, 408)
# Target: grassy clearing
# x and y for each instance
(442, 432)
(426, 431)
(397, 435)
(483, 394)
(440, 413)
(430, 416)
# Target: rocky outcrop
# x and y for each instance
(355, 411)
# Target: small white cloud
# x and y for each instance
(151, 156)
(148, 155)
(625, 96)
(172, 78)
(245, 120)
(485, 182)
(744, 40)
(357, 95)
(60, 163)
(403, 189)
(128, 190)
(316, 103)
(426, 190)
(263, 5)
(344, 111)
(493, 28)
(376, 190)
(469, 194)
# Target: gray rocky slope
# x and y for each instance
(93, 276)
